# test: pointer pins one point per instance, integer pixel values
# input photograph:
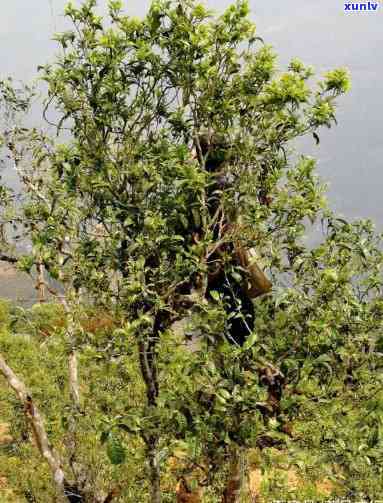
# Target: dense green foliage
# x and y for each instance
(126, 214)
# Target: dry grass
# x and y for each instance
(102, 322)
(184, 495)
(5, 437)
(294, 481)
(325, 487)
(6, 494)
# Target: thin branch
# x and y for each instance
(40, 284)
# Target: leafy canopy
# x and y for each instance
(119, 205)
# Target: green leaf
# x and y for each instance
(224, 394)
(215, 295)
(330, 275)
(250, 341)
(115, 451)
(237, 276)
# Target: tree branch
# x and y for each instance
(74, 387)
(37, 424)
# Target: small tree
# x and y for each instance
(179, 163)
